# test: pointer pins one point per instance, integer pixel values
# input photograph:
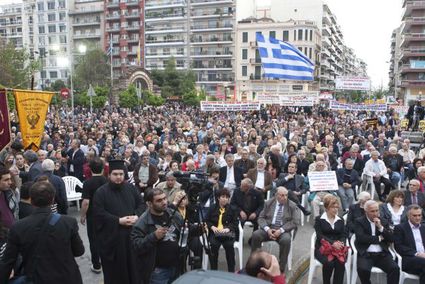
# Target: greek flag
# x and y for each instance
(281, 60)
(110, 47)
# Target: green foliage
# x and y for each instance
(11, 101)
(16, 66)
(92, 68)
(153, 100)
(98, 101)
(174, 82)
(193, 98)
(128, 98)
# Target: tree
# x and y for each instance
(151, 99)
(98, 101)
(193, 98)
(128, 98)
(16, 66)
(92, 68)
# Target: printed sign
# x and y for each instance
(289, 99)
(334, 105)
(229, 106)
(322, 181)
(352, 83)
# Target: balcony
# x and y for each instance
(87, 36)
(255, 61)
(86, 23)
(132, 28)
(208, 54)
(113, 29)
(253, 44)
(85, 11)
(153, 55)
(133, 40)
(132, 15)
(412, 52)
(132, 3)
(412, 83)
(165, 42)
(210, 41)
(113, 4)
(408, 37)
(208, 28)
(211, 2)
(10, 23)
(164, 30)
(408, 68)
(409, 6)
(156, 17)
(113, 17)
(211, 15)
(212, 67)
(14, 35)
(155, 5)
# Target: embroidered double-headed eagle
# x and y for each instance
(33, 119)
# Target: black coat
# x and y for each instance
(229, 220)
(351, 177)
(324, 231)
(364, 236)
(419, 196)
(59, 248)
(239, 201)
(237, 174)
(78, 161)
(404, 241)
(354, 213)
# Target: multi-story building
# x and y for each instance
(332, 46)
(394, 73)
(11, 27)
(249, 74)
(87, 23)
(124, 22)
(412, 45)
(199, 34)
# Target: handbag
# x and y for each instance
(225, 236)
(25, 279)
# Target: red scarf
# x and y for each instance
(330, 252)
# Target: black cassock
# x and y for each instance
(112, 202)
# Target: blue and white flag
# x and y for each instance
(110, 47)
(282, 60)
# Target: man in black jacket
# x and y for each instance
(409, 240)
(31, 236)
(372, 241)
(248, 202)
(155, 238)
(413, 195)
(76, 160)
(347, 178)
(395, 166)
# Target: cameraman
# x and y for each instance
(181, 204)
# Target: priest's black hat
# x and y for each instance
(116, 165)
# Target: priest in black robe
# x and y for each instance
(117, 205)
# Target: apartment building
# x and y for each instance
(124, 23)
(411, 63)
(332, 59)
(304, 35)
(11, 27)
(87, 23)
(199, 34)
(394, 83)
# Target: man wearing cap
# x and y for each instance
(117, 205)
(170, 186)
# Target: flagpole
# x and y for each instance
(112, 70)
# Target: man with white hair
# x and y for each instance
(373, 238)
(61, 201)
(395, 166)
(377, 169)
(421, 178)
(357, 210)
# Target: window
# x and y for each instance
(43, 74)
(62, 28)
(50, 5)
(41, 30)
(53, 40)
(285, 35)
(257, 75)
(53, 74)
(306, 35)
(40, 6)
(309, 53)
(62, 16)
(244, 53)
(62, 39)
(41, 40)
(244, 71)
(295, 35)
(300, 34)
(64, 74)
(180, 51)
(272, 34)
(51, 17)
(311, 35)
(305, 51)
(300, 49)
(61, 4)
(245, 37)
(41, 18)
(52, 29)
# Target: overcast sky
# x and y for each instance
(367, 26)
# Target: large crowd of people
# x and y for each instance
(164, 186)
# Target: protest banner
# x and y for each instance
(322, 181)
(334, 105)
(32, 109)
(352, 83)
(5, 135)
(289, 98)
(229, 106)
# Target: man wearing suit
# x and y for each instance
(295, 185)
(413, 195)
(248, 202)
(409, 241)
(372, 241)
(34, 167)
(76, 160)
(230, 175)
(278, 218)
(261, 178)
(357, 210)
(347, 178)
(181, 155)
(39, 231)
(244, 162)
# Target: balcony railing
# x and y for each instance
(212, 39)
(156, 15)
(165, 41)
(210, 27)
(210, 2)
(158, 4)
(153, 29)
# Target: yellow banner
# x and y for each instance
(32, 109)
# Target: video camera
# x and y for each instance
(193, 183)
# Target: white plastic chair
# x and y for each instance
(404, 275)
(70, 184)
(354, 271)
(314, 263)
(131, 178)
(270, 245)
(370, 183)
(237, 245)
(304, 203)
